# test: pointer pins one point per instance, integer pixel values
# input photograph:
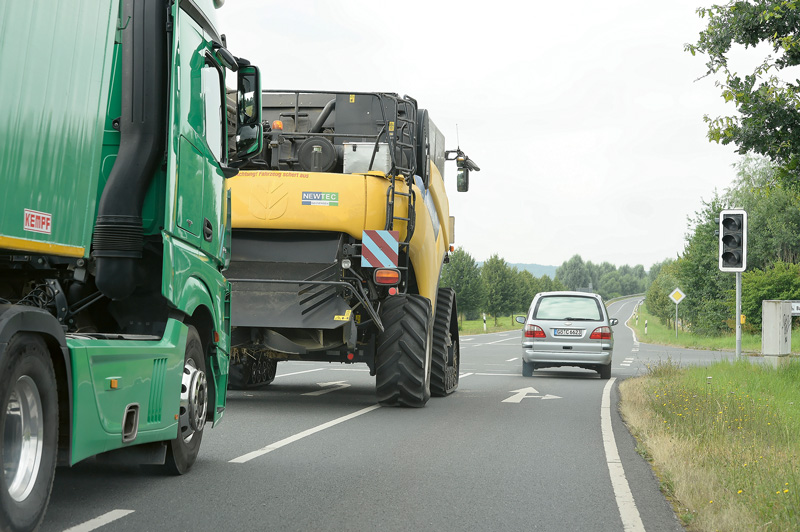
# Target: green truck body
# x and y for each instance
(118, 135)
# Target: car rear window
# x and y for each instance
(567, 308)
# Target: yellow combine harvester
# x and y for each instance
(340, 231)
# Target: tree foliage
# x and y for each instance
(463, 275)
(768, 106)
(498, 284)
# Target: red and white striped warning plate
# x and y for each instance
(379, 248)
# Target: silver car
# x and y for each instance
(567, 329)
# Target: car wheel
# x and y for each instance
(527, 369)
(605, 371)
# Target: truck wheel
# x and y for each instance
(251, 372)
(28, 431)
(403, 358)
(445, 361)
(182, 451)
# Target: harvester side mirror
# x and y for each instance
(250, 133)
(462, 180)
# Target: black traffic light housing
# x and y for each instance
(733, 240)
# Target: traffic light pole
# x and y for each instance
(738, 315)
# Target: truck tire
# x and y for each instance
(403, 357)
(446, 353)
(182, 451)
(28, 431)
(252, 373)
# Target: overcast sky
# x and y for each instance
(585, 117)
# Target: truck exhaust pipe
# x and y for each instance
(118, 234)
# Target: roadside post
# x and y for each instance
(733, 257)
(484, 322)
(676, 296)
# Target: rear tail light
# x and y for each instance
(533, 331)
(601, 333)
(386, 276)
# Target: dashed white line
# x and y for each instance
(97, 522)
(300, 435)
(299, 372)
(631, 520)
(462, 375)
(512, 359)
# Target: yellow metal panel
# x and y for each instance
(274, 200)
(7, 242)
(437, 191)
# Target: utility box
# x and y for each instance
(776, 328)
(357, 156)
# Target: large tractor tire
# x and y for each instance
(446, 353)
(28, 431)
(182, 451)
(251, 371)
(403, 358)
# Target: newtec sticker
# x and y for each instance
(327, 199)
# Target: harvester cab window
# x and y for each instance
(213, 98)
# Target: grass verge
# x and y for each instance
(504, 323)
(723, 439)
(660, 334)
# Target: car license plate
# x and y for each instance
(567, 332)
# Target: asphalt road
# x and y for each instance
(313, 451)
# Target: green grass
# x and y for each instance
(726, 436)
(505, 323)
(657, 333)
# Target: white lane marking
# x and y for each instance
(461, 376)
(328, 387)
(349, 369)
(512, 359)
(300, 435)
(466, 338)
(299, 372)
(499, 374)
(631, 521)
(503, 340)
(97, 522)
(627, 362)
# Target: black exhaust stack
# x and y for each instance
(118, 234)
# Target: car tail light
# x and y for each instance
(601, 333)
(533, 331)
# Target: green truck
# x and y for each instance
(118, 134)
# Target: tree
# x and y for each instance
(769, 121)
(498, 286)
(781, 281)
(463, 275)
(657, 298)
(574, 274)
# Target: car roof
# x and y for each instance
(569, 293)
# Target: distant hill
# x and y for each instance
(537, 270)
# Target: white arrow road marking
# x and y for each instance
(339, 385)
(97, 522)
(521, 394)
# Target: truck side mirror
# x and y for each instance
(249, 133)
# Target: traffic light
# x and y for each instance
(733, 240)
